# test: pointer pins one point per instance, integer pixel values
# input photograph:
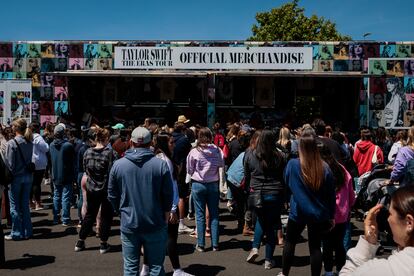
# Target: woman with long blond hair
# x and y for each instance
(312, 203)
(284, 138)
(19, 159)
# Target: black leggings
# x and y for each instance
(334, 241)
(315, 232)
(96, 200)
(37, 181)
(172, 246)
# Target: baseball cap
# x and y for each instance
(141, 136)
(59, 129)
(118, 126)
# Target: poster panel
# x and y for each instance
(15, 100)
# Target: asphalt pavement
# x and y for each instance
(51, 252)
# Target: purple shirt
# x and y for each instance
(203, 163)
(403, 155)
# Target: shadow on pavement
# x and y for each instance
(200, 269)
(46, 233)
(29, 261)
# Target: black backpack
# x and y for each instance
(409, 173)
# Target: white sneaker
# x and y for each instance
(184, 229)
(254, 253)
(269, 264)
(144, 271)
(180, 272)
(280, 274)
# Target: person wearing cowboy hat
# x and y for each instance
(182, 119)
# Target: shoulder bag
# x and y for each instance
(30, 166)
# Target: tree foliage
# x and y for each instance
(289, 23)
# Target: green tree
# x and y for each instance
(289, 23)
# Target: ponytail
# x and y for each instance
(20, 125)
(28, 135)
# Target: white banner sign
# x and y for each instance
(257, 58)
(15, 100)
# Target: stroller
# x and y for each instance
(373, 191)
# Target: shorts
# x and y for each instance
(184, 190)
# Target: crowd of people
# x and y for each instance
(154, 177)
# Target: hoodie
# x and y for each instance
(398, 171)
(364, 151)
(40, 149)
(203, 163)
(361, 261)
(62, 155)
(141, 189)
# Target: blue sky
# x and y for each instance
(191, 19)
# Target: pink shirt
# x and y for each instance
(203, 163)
(345, 199)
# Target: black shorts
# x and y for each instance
(184, 189)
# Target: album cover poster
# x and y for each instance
(341, 51)
(46, 93)
(61, 81)
(61, 108)
(61, 64)
(375, 118)
(365, 82)
(1, 105)
(6, 50)
(47, 80)
(33, 65)
(35, 76)
(48, 50)
(105, 50)
(47, 108)
(91, 63)
(105, 64)
(61, 50)
(387, 50)
(76, 50)
(90, 51)
(326, 51)
(362, 97)
(325, 65)
(35, 108)
(211, 114)
(6, 64)
(34, 51)
(341, 65)
(19, 65)
(377, 85)
(36, 93)
(403, 50)
(61, 93)
(356, 51)
(378, 67)
(371, 50)
(395, 68)
(20, 104)
(48, 65)
(409, 85)
(315, 52)
(409, 67)
(363, 115)
(6, 75)
(410, 101)
(409, 118)
(412, 50)
(376, 101)
(19, 75)
(76, 63)
(355, 65)
(315, 65)
(46, 120)
(19, 50)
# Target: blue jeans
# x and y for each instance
(80, 198)
(206, 193)
(19, 195)
(62, 200)
(268, 219)
(154, 244)
(348, 236)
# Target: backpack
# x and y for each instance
(219, 140)
(6, 175)
(409, 173)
